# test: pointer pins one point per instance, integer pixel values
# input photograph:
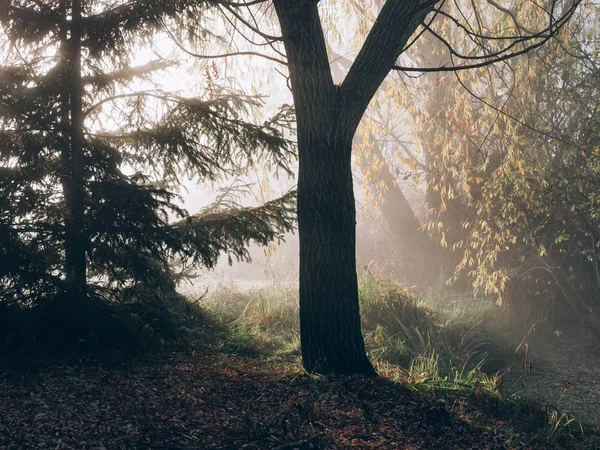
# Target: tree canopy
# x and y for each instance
(92, 148)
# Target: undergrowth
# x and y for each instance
(259, 320)
(399, 327)
(452, 347)
(94, 327)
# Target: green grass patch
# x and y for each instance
(463, 333)
(260, 320)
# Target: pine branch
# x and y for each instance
(126, 74)
(124, 236)
(205, 138)
(28, 24)
(230, 231)
(108, 31)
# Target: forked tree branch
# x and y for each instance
(395, 24)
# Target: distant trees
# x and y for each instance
(520, 126)
(91, 151)
(525, 170)
(508, 152)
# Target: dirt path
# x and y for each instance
(565, 374)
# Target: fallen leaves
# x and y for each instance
(219, 402)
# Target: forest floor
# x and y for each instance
(210, 400)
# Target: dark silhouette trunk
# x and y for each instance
(327, 117)
(331, 336)
(424, 255)
(73, 161)
(329, 311)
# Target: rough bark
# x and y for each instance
(73, 161)
(327, 118)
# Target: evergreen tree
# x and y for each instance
(90, 152)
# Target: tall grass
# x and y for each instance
(399, 328)
(261, 320)
(464, 332)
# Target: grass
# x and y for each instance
(260, 320)
(437, 343)
(465, 332)
(399, 328)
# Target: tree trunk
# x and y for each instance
(327, 117)
(439, 101)
(73, 161)
(331, 336)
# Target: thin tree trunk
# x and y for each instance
(423, 254)
(73, 159)
(437, 104)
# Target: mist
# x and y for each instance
(296, 225)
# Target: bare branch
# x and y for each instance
(254, 29)
(223, 55)
(511, 117)
(539, 39)
(511, 14)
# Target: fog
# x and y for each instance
(476, 173)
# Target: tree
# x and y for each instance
(91, 149)
(425, 255)
(514, 152)
(327, 118)
(388, 160)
